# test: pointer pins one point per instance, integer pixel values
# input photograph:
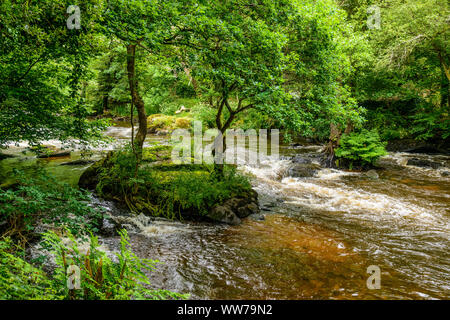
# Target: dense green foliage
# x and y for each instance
(123, 277)
(42, 66)
(166, 189)
(19, 280)
(304, 64)
(401, 72)
(360, 148)
(102, 277)
(312, 68)
(44, 201)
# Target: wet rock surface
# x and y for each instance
(235, 209)
(89, 178)
(50, 151)
(303, 170)
(415, 146)
(424, 163)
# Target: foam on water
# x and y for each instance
(328, 193)
(371, 206)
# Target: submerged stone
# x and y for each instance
(372, 174)
(223, 214)
(236, 208)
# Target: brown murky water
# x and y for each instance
(318, 238)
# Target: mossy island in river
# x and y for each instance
(176, 191)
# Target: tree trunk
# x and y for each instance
(445, 90)
(105, 104)
(136, 99)
(219, 168)
(333, 142)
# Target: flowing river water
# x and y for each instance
(318, 237)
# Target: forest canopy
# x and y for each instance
(302, 65)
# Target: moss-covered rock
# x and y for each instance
(49, 151)
(161, 123)
(90, 177)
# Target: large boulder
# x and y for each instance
(416, 146)
(303, 170)
(90, 177)
(224, 214)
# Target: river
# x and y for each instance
(318, 238)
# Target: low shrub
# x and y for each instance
(19, 280)
(44, 200)
(103, 278)
(205, 114)
(360, 149)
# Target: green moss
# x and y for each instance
(174, 191)
(156, 153)
(158, 122)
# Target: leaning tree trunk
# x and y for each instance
(136, 100)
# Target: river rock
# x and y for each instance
(109, 227)
(89, 178)
(234, 209)
(257, 217)
(301, 159)
(415, 146)
(50, 151)
(162, 132)
(224, 214)
(372, 174)
(303, 170)
(424, 163)
(58, 154)
(445, 173)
